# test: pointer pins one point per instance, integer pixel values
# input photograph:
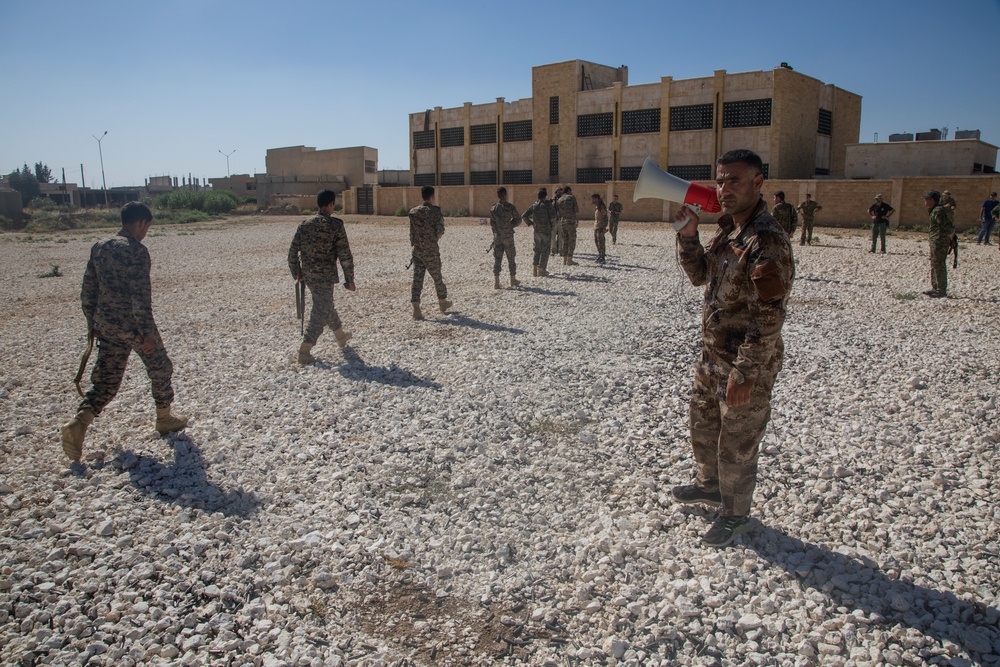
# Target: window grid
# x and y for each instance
(483, 178)
(746, 113)
(424, 179)
(640, 121)
(452, 136)
(553, 161)
(691, 172)
(630, 173)
(593, 175)
(516, 130)
(693, 117)
(595, 124)
(820, 171)
(825, 122)
(423, 139)
(370, 167)
(483, 134)
(766, 169)
(517, 177)
(554, 110)
(453, 178)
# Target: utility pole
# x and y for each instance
(103, 180)
(227, 159)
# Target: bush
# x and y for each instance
(402, 212)
(221, 201)
(43, 204)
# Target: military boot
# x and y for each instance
(417, 315)
(73, 432)
(496, 281)
(167, 422)
(534, 272)
(570, 262)
(444, 305)
(514, 282)
(304, 357)
(342, 337)
(542, 272)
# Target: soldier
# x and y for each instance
(117, 302)
(808, 209)
(942, 226)
(318, 244)
(426, 228)
(949, 202)
(600, 226)
(784, 213)
(542, 216)
(880, 213)
(747, 269)
(556, 228)
(503, 219)
(614, 213)
(987, 220)
(568, 211)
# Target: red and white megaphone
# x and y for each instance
(654, 183)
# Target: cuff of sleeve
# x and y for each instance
(742, 376)
(689, 241)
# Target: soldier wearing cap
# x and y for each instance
(784, 213)
(808, 209)
(942, 226)
(880, 213)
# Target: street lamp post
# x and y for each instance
(227, 159)
(103, 180)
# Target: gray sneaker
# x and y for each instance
(690, 494)
(725, 529)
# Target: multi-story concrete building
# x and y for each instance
(585, 124)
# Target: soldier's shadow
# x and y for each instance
(184, 481)
(457, 320)
(358, 370)
(584, 278)
(545, 292)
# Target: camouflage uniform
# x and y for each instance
(318, 244)
(786, 216)
(117, 302)
(748, 274)
(503, 219)
(557, 227)
(426, 227)
(942, 226)
(600, 229)
(808, 209)
(542, 216)
(614, 213)
(568, 211)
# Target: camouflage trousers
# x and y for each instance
(878, 232)
(503, 247)
(807, 231)
(568, 238)
(601, 242)
(939, 265)
(557, 239)
(323, 313)
(542, 245)
(613, 228)
(427, 261)
(112, 358)
(726, 440)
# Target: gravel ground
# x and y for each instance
(491, 486)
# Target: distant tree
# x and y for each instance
(42, 173)
(24, 181)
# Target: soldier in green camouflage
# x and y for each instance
(784, 213)
(503, 219)
(556, 228)
(614, 215)
(318, 244)
(117, 302)
(426, 229)
(600, 227)
(542, 217)
(942, 226)
(568, 211)
(747, 270)
(808, 209)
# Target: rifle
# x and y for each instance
(300, 304)
(492, 245)
(83, 361)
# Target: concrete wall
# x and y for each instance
(242, 185)
(332, 164)
(10, 205)
(918, 158)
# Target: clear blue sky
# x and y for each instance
(174, 82)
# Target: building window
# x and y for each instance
(452, 136)
(825, 122)
(747, 113)
(453, 178)
(516, 130)
(987, 169)
(554, 110)
(694, 117)
(593, 175)
(424, 179)
(638, 122)
(483, 134)
(630, 173)
(251, 186)
(370, 167)
(766, 169)
(553, 162)
(424, 139)
(595, 125)
(517, 177)
(484, 178)
(691, 172)
(977, 168)
(820, 171)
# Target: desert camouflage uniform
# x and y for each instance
(942, 226)
(748, 274)
(556, 227)
(786, 216)
(318, 243)
(600, 229)
(117, 302)
(426, 227)
(542, 216)
(614, 213)
(808, 209)
(503, 219)
(568, 211)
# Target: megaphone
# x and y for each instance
(654, 183)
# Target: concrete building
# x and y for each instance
(303, 171)
(902, 156)
(241, 185)
(585, 124)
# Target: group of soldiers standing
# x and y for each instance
(787, 215)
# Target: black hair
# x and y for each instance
(325, 198)
(427, 192)
(780, 194)
(743, 156)
(542, 193)
(501, 191)
(134, 211)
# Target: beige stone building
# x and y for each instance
(585, 124)
(304, 171)
(241, 185)
(934, 157)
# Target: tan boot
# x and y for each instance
(534, 272)
(542, 272)
(168, 422)
(514, 282)
(417, 315)
(304, 357)
(342, 337)
(444, 305)
(570, 262)
(565, 260)
(496, 282)
(73, 432)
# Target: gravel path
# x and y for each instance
(492, 486)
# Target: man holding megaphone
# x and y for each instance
(747, 270)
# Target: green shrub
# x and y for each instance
(402, 212)
(43, 204)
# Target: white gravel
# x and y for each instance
(492, 486)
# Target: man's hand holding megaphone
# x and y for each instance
(686, 220)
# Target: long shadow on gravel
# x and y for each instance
(357, 370)
(457, 320)
(859, 584)
(546, 292)
(184, 481)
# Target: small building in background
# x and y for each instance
(925, 155)
(241, 185)
(301, 171)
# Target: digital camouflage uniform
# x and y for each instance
(614, 213)
(808, 209)
(542, 217)
(942, 226)
(949, 202)
(748, 274)
(503, 219)
(318, 244)
(117, 302)
(568, 211)
(557, 227)
(600, 229)
(786, 216)
(426, 228)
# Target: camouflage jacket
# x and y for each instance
(503, 219)
(541, 215)
(318, 243)
(748, 273)
(568, 209)
(601, 217)
(117, 298)
(809, 208)
(614, 211)
(942, 224)
(786, 216)
(426, 225)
